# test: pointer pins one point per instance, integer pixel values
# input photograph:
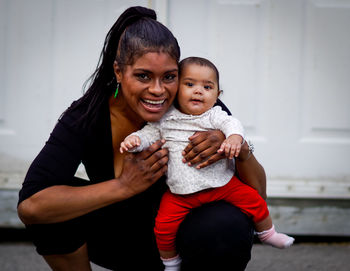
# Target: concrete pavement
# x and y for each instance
(21, 256)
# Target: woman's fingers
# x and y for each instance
(156, 158)
(213, 159)
(202, 146)
(139, 173)
(145, 154)
(199, 154)
(143, 169)
(194, 141)
(196, 146)
(160, 168)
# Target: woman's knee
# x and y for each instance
(215, 235)
(76, 260)
(58, 238)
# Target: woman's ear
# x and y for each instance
(117, 71)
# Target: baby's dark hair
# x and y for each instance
(201, 62)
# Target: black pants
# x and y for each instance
(120, 237)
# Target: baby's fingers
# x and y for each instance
(123, 147)
(229, 151)
(222, 147)
(130, 144)
(238, 150)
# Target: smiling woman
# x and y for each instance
(149, 86)
(111, 218)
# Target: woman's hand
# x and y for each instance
(143, 169)
(203, 147)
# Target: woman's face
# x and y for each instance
(149, 85)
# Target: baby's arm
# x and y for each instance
(129, 143)
(233, 130)
(232, 146)
(142, 139)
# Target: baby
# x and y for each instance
(189, 187)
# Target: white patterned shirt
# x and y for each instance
(176, 127)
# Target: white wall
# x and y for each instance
(48, 49)
(284, 68)
(285, 73)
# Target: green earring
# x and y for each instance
(116, 91)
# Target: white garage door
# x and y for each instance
(285, 72)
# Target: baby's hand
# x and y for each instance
(130, 142)
(231, 146)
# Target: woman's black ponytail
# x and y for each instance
(146, 34)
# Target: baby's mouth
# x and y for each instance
(196, 100)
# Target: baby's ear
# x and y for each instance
(220, 91)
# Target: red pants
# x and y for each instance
(174, 208)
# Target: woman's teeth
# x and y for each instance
(154, 102)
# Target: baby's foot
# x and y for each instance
(172, 264)
(275, 239)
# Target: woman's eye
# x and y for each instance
(169, 77)
(142, 76)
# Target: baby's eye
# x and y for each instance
(189, 84)
(208, 87)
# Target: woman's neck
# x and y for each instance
(123, 122)
(120, 110)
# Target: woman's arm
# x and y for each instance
(202, 151)
(250, 171)
(61, 202)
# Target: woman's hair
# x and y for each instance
(135, 33)
(201, 62)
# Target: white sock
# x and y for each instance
(172, 264)
(275, 239)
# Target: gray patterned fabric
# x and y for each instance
(176, 127)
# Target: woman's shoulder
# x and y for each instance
(223, 106)
(76, 115)
(73, 114)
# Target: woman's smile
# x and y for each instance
(153, 105)
(149, 85)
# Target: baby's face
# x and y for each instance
(198, 89)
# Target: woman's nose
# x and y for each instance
(156, 88)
